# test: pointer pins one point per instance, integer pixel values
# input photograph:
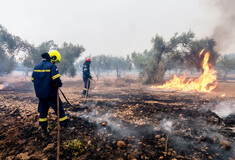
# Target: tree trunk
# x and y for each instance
(118, 73)
(157, 76)
(225, 77)
(97, 74)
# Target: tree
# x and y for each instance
(69, 54)
(192, 59)
(9, 45)
(7, 65)
(104, 63)
(79, 65)
(100, 64)
(181, 50)
(226, 63)
(33, 54)
(120, 64)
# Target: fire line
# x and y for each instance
(205, 83)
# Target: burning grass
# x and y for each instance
(205, 83)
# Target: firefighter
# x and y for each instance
(46, 79)
(86, 76)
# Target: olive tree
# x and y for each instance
(69, 54)
(181, 50)
(9, 47)
(226, 64)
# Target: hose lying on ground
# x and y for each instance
(65, 98)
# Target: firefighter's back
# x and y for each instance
(43, 84)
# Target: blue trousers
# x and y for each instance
(43, 107)
(86, 86)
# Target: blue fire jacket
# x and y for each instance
(86, 71)
(46, 79)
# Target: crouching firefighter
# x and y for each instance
(46, 79)
(86, 77)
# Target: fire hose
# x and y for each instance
(58, 114)
(65, 98)
(58, 122)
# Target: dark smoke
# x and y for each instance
(224, 30)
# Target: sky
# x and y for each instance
(110, 27)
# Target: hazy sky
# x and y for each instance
(116, 27)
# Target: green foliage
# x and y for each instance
(120, 64)
(103, 63)
(7, 65)
(150, 62)
(9, 46)
(226, 64)
(180, 50)
(34, 53)
(74, 146)
(69, 54)
(7, 40)
(192, 59)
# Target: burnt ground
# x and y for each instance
(121, 120)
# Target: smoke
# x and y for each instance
(167, 125)
(190, 135)
(224, 109)
(111, 124)
(103, 120)
(186, 135)
(223, 32)
(6, 85)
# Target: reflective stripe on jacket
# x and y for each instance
(46, 79)
(86, 71)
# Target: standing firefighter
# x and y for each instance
(86, 76)
(46, 79)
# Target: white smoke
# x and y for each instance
(224, 109)
(6, 85)
(96, 117)
(167, 125)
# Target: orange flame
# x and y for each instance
(205, 83)
(201, 52)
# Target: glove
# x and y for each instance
(90, 77)
(60, 84)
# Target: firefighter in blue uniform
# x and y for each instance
(46, 79)
(86, 76)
